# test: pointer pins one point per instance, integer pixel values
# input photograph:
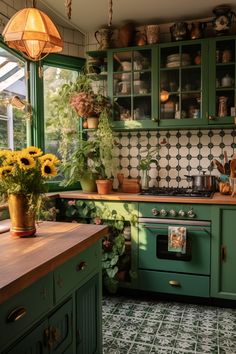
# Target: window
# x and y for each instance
(12, 84)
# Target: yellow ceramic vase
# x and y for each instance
(22, 221)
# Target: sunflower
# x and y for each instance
(49, 157)
(48, 169)
(4, 154)
(10, 160)
(33, 151)
(6, 171)
(25, 161)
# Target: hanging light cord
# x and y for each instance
(110, 13)
(68, 4)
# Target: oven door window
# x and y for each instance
(163, 253)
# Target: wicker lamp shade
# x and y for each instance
(33, 33)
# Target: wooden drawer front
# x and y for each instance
(23, 309)
(174, 283)
(69, 275)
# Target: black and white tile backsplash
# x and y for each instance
(179, 153)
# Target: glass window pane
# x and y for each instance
(12, 85)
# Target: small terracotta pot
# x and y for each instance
(92, 122)
(104, 186)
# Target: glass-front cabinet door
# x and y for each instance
(222, 82)
(131, 87)
(182, 84)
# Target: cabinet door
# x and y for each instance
(88, 315)
(222, 89)
(183, 84)
(60, 327)
(33, 343)
(223, 253)
(131, 87)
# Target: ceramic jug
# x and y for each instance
(179, 31)
(222, 109)
(126, 34)
(103, 37)
(223, 19)
(197, 29)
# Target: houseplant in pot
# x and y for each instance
(82, 165)
(22, 181)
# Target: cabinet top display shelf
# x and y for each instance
(25, 260)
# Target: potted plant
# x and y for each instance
(144, 166)
(106, 141)
(82, 165)
(22, 181)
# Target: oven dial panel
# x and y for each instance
(174, 213)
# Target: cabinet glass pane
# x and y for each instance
(225, 79)
(132, 84)
(181, 82)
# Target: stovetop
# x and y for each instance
(177, 192)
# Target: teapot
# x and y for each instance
(227, 81)
(103, 37)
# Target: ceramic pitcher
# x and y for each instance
(152, 34)
(103, 37)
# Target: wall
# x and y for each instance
(74, 41)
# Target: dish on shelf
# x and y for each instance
(177, 63)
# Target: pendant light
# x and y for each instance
(33, 33)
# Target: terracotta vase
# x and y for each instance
(22, 220)
(92, 122)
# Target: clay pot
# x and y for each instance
(126, 34)
(104, 186)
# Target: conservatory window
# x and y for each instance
(12, 83)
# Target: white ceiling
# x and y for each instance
(89, 15)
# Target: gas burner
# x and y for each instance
(177, 192)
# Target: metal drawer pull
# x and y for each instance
(16, 314)
(166, 228)
(174, 283)
(81, 266)
(223, 253)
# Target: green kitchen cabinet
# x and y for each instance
(222, 80)
(223, 283)
(183, 83)
(58, 314)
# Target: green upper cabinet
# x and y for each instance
(131, 77)
(182, 84)
(222, 83)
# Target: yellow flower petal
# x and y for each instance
(48, 169)
(49, 157)
(33, 151)
(25, 161)
(5, 171)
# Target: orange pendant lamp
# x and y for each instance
(33, 33)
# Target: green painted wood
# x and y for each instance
(194, 285)
(223, 268)
(88, 312)
(40, 293)
(79, 268)
(61, 323)
(33, 343)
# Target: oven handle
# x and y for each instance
(165, 228)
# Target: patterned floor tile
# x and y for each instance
(134, 326)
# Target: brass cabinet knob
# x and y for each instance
(212, 117)
(16, 314)
(174, 283)
(81, 266)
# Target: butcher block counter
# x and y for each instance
(50, 289)
(25, 260)
(216, 199)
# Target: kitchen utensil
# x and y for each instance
(203, 182)
(227, 164)
(219, 166)
(233, 169)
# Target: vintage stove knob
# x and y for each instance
(173, 212)
(155, 212)
(182, 213)
(163, 212)
(191, 214)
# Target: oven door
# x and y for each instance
(153, 246)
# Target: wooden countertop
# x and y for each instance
(25, 260)
(216, 199)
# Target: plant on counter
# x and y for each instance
(25, 172)
(145, 166)
(82, 165)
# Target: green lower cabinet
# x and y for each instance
(224, 252)
(88, 315)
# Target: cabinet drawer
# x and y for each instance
(174, 283)
(22, 310)
(69, 275)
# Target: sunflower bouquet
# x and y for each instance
(25, 172)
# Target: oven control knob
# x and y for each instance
(173, 212)
(182, 213)
(155, 212)
(191, 214)
(163, 212)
